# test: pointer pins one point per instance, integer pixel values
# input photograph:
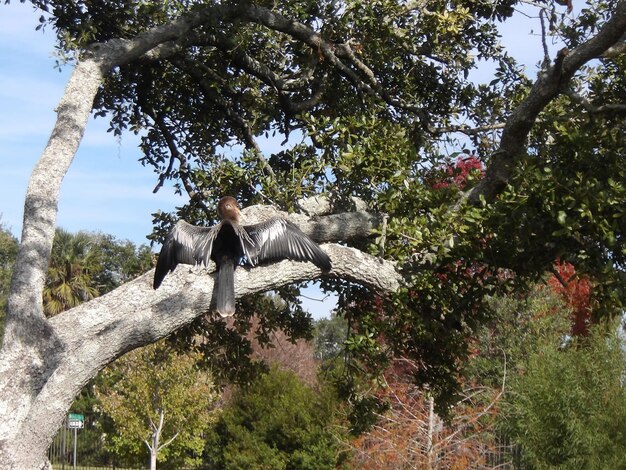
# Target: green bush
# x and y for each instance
(275, 423)
(568, 408)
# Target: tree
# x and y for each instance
(121, 261)
(162, 400)
(516, 330)
(71, 275)
(277, 422)
(330, 335)
(8, 251)
(567, 408)
(374, 91)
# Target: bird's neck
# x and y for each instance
(230, 216)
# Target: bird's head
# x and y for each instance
(228, 209)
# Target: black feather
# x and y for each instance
(227, 243)
(277, 239)
(225, 288)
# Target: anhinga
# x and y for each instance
(228, 243)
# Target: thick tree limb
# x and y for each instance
(134, 314)
(43, 189)
(549, 85)
(616, 50)
(31, 350)
(97, 332)
(328, 228)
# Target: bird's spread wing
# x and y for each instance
(186, 244)
(277, 239)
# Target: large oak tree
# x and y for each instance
(368, 96)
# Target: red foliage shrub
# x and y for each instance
(457, 174)
(576, 292)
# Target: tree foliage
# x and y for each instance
(277, 422)
(567, 408)
(518, 326)
(160, 402)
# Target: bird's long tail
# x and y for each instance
(225, 288)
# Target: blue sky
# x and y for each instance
(106, 189)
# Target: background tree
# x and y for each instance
(330, 336)
(161, 402)
(121, 261)
(277, 422)
(286, 354)
(373, 94)
(519, 326)
(8, 252)
(567, 407)
(85, 265)
(72, 271)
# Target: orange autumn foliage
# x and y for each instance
(411, 435)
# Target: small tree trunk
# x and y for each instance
(153, 458)
(430, 452)
(156, 437)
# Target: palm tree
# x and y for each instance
(71, 275)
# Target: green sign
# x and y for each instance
(75, 421)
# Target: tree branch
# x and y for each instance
(41, 202)
(169, 441)
(328, 228)
(195, 70)
(134, 314)
(605, 108)
(175, 154)
(333, 53)
(616, 50)
(467, 130)
(548, 86)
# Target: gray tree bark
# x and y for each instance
(80, 342)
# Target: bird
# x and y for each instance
(229, 244)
